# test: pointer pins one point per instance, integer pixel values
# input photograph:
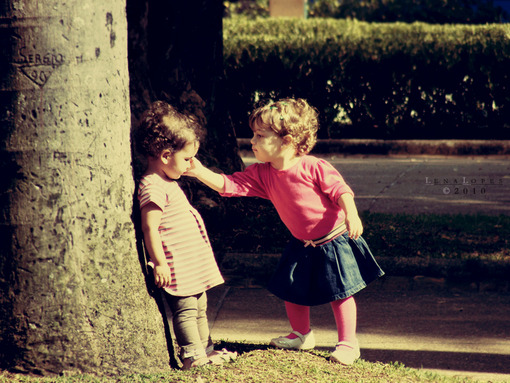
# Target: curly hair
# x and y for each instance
(288, 116)
(163, 127)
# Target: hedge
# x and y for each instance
(374, 80)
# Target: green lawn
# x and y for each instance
(439, 236)
(261, 364)
(248, 239)
(251, 225)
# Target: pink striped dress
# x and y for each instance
(185, 241)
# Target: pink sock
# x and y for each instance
(299, 318)
(345, 314)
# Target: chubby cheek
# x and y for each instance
(268, 148)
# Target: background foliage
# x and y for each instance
(374, 80)
(429, 11)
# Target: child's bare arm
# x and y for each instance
(151, 218)
(352, 220)
(214, 180)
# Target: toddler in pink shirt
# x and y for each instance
(327, 260)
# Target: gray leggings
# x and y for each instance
(190, 324)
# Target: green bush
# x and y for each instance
(429, 11)
(374, 80)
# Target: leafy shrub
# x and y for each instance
(374, 80)
(429, 11)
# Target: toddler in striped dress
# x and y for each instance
(174, 233)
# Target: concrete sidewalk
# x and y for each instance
(444, 147)
(449, 331)
(425, 184)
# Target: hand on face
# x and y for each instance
(175, 164)
(194, 169)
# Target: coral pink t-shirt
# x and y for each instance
(305, 195)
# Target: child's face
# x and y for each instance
(175, 164)
(266, 144)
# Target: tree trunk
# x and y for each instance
(72, 293)
(176, 55)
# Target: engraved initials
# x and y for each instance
(38, 67)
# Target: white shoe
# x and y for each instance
(346, 353)
(302, 342)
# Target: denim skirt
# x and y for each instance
(312, 276)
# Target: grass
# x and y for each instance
(439, 236)
(251, 225)
(248, 238)
(259, 363)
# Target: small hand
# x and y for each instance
(162, 275)
(195, 167)
(354, 226)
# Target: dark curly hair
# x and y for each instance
(288, 116)
(163, 127)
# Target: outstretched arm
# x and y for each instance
(214, 180)
(352, 220)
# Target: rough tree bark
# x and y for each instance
(72, 294)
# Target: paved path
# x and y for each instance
(426, 184)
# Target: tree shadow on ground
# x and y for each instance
(242, 347)
(441, 360)
(435, 360)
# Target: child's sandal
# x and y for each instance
(345, 353)
(218, 357)
(192, 363)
